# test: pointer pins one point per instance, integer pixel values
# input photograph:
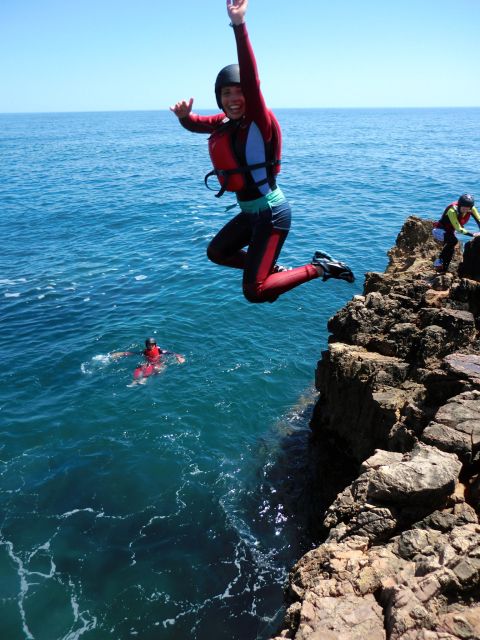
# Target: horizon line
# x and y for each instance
(215, 109)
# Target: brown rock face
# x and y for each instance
(400, 392)
(400, 351)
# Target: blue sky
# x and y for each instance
(89, 55)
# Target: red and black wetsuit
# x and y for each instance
(153, 364)
(253, 143)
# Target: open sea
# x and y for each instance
(174, 510)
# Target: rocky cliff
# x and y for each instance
(400, 394)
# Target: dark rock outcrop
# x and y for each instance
(400, 392)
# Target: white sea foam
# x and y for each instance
(67, 514)
(99, 361)
(22, 574)
(7, 282)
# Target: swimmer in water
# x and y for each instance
(153, 360)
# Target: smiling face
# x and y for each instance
(233, 101)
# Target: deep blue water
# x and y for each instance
(174, 510)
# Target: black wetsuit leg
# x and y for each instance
(264, 233)
(449, 243)
(226, 248)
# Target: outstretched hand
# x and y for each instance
(183, 108)
(236, 10)
(119, 354)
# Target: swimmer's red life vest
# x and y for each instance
(153, 355)
(444, 222)
(228, 168)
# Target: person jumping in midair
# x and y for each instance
(245, 149)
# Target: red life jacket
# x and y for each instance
(153, 355)
(462, 218)
(230, 171)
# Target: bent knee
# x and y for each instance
(213, 256)
(253, 293)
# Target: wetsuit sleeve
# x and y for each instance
(452, 216)
(255, 107)
(202, 124)
(476, 215)
(119, 354)
(171, 353)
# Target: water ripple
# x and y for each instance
(175, 509)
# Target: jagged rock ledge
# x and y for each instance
(400, 392)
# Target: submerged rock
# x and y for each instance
(400, 393)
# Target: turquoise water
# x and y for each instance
(174, 510)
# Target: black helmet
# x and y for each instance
(466, 201)
(150, 342)
(228, 76)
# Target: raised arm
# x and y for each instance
(236, 10)
(255, 107)
(182, 109)
(194, 122)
